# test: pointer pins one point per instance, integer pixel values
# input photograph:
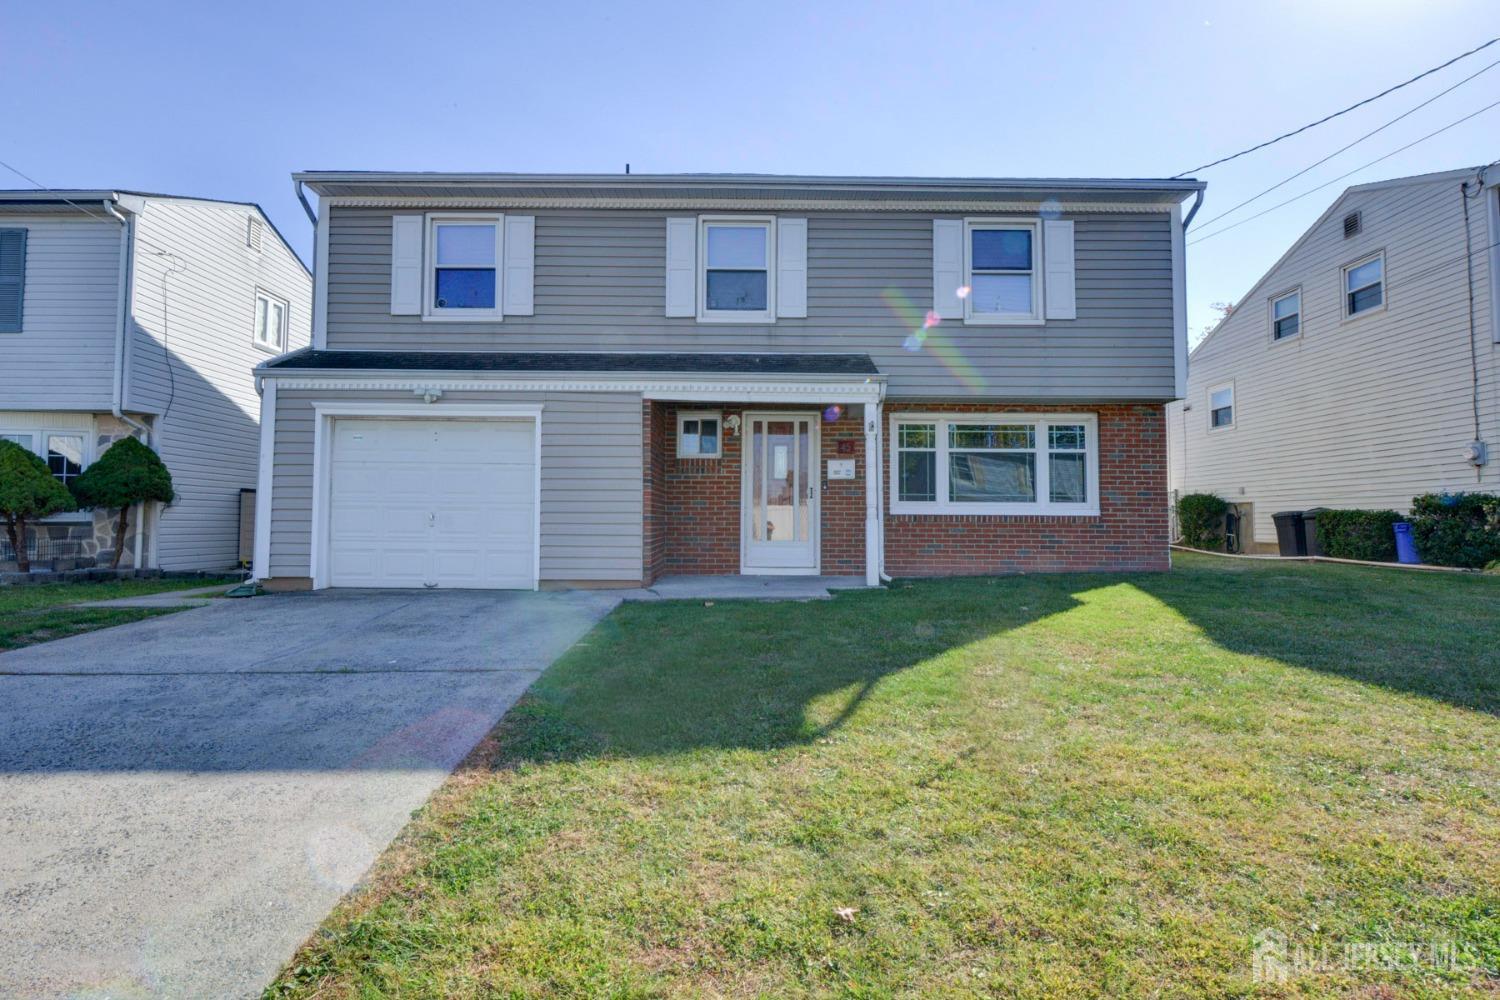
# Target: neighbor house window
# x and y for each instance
(1221, 407)
(270, 322)
(463, 275)
(995, 464)
(63, 451)
(698, 435)
(736, 277)
(1286, 315)
(1364, 285)
(1001, 272)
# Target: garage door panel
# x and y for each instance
(432, 502)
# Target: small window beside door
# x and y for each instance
(270, 322)
(699, 435)
(1286, 315)
(1221, 407)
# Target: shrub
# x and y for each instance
(1457, 529)
(28, 492)
(127, 474)
(1359, 534)
(1200, 520)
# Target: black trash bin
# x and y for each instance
(1290, 538)
(1310, 531)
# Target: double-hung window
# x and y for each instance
(1001, 272)
(1221, 407)
(995, 464)
(737, 281)
(270, 322)
(462, 262)
(1286, 315)
(1364, 286)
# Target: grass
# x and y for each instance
(1081, 786)
(40, 612)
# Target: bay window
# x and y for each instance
(995, 464)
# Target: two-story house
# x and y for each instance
(522, 381)
(1362, 369)
(129, 314)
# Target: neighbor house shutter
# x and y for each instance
(791, 268)
(520, 260)
(12, 278)
(1058, 280)
(682, 267)
(406, 265)
(947, 267)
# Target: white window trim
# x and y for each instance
(1234, 405)
(1036, 317)
(286, 323)
(1345, 290)
(707, 315)
(685, 415)
(1043, 506)
(431, 312)
(39, 437)
(1271, 315)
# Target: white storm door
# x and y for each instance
(432, 503)
(780, 502)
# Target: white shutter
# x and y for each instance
(520, 264)
(947, 267)
(791, 267)
(406, 265)
(682, 267)
(1058, 280)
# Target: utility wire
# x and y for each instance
(1344, 149)
(1378, 159)
(1336, 114)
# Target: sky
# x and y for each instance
(227, 100)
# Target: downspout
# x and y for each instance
(1197, 204)
(313, 216)
(122, 320)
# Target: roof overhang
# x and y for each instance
(383, 189)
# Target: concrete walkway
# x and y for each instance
(183, 799)
(191, 598)
(745, 588)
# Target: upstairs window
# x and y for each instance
(463, 275)
(270, 322)
(1221, 407)
(736, 270)
(995, 464)
(1364, 286)
(698, 435)
(1001, 272)
(1286, 315)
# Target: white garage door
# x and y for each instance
(432, 503)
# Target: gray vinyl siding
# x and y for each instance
(191, 362)
(63, 358)
(600, 286)
(1367, 412)
(590, 467)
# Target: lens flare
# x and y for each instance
(832, 414)
(963, 291)
(926, 334)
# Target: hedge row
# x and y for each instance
(1359, 534)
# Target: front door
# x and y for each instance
(780, 493)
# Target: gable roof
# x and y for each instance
(1330, 211)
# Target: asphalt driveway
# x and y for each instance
(183, 799)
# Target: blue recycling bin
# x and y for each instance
(1406, 546)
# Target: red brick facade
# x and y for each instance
(693, 505)
(1129, 534)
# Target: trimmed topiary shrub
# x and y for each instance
(1457, 529)
(1359, 534)
(28, 492)
(1200, 520)
(127, 474)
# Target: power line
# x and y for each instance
(1345, 149)
(1336, 114)
(1378, 159)
(32, 180)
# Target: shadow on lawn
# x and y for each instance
(666, 678)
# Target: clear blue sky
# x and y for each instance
(227, 100)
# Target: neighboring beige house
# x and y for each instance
(124, 313)
(520, 381)
(1363, 369)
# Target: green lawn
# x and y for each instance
(37, 613)
(1038, 787)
